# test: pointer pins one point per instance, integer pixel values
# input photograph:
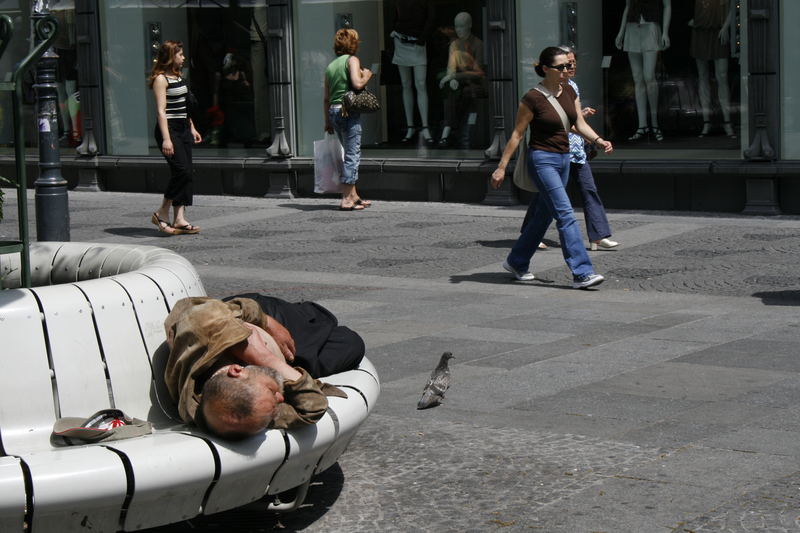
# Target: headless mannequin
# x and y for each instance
(639, 37)
(413, 25)
(420, 84)
(463, 66)
(703, 24)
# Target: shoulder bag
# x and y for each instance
(359, 100)
(521, 177)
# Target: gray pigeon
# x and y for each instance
(433, 393)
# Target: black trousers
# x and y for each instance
(179, 189)
(323, 347)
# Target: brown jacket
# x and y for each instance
(199, 330)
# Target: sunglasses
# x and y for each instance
(563, 66)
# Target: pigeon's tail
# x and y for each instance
(429, 399)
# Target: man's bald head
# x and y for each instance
(241, 401)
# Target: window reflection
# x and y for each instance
(429, 57)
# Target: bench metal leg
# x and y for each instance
(278, 506)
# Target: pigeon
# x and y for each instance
(433, 393)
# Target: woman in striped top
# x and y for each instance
(174, 134)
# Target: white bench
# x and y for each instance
(89, 335)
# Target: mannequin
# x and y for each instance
(643, 32)
(710, 26)
(464, 79)
(412, 27)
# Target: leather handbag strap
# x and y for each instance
(556, 105)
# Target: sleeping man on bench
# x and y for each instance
(229, 364)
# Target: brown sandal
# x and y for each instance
(186, 228)
(162, 224)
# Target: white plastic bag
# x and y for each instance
(328, 165)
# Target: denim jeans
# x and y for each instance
(348, 129)
(593, 211)
(550, 173)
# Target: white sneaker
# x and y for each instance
(521, 276)
(603, 244)
(589, 280)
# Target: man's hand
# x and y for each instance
(282, 337)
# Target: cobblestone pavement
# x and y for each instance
(666, 400)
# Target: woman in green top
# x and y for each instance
(342, 74)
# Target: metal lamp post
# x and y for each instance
(52, 209)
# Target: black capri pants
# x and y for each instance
(179, 189)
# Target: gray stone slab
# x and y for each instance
(608, 406)
(410, 357)
(673, 433)
(771, 507)
(689, 381)
(757, 440)
(750, 353)
(783, 393)
(714, 468)
(627, 504)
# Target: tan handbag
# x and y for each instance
(521, 177)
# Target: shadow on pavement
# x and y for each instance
(322, 494)
(333, 206)
(779, 297)
(136, 232)
(501, 277)
(508, 243)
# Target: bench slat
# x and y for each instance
(77, 486)
(24, 425)
(79, 370)
(12, 495)
(306, 446)
(91, 266)
(171, 473)
(151, 310)
(245, 469)
(349, 415)
(357, 379)
(67, 262)
(126, 357)
(171, 285)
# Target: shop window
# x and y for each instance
(665, 76)
(225, 64)
(69, 116)
(429, 60)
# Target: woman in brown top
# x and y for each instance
(548, 165)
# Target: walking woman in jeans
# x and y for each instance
(341, 75)
(174, 134)
(548, 164)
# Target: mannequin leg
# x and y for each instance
(704, 90)
(408, 100)
(649, 60)
(635, 59)
(420, 74)
(724, 93)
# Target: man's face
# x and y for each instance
(267, 395)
